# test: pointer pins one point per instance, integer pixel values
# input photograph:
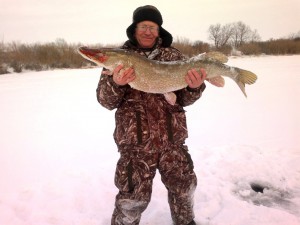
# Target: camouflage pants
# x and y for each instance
(135, 171)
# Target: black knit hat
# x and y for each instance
(151, 13)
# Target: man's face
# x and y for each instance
(146, 33)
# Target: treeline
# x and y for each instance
(17, 57)
(284, 46)
(239, 37)
(272, 47)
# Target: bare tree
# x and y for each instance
(220, 34)
(215, 34)
(242, 33)
(227, 32)
(234, 34)
(255, 36)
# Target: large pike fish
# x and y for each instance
(165, 77)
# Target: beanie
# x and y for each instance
(147, 12)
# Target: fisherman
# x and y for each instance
(150, 133)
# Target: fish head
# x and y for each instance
(96, 55)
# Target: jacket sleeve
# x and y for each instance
(188, 96)
(109, 94)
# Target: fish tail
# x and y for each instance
(245, 77)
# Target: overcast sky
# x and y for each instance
(105, 21)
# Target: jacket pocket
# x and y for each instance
(176, 125)
(124, 174)
(131, 127)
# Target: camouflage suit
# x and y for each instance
(150, 135)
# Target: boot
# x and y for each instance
(192, 223)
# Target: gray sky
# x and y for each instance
(99, 21)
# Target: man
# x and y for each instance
(150, 133)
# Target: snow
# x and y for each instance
(58, 157)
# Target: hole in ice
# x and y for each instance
(266, 194)
(257, 187)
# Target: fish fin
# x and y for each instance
(242, 87)
(218, 56)
(245, 77)
(218, 81)
(170, 97)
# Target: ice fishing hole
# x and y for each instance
(257, 187)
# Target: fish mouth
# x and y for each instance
(95, 54)
(88, 51)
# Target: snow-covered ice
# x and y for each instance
(58, 157)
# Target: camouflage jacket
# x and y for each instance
(147, 119)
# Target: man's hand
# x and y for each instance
(123, 76)
(195, 79)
